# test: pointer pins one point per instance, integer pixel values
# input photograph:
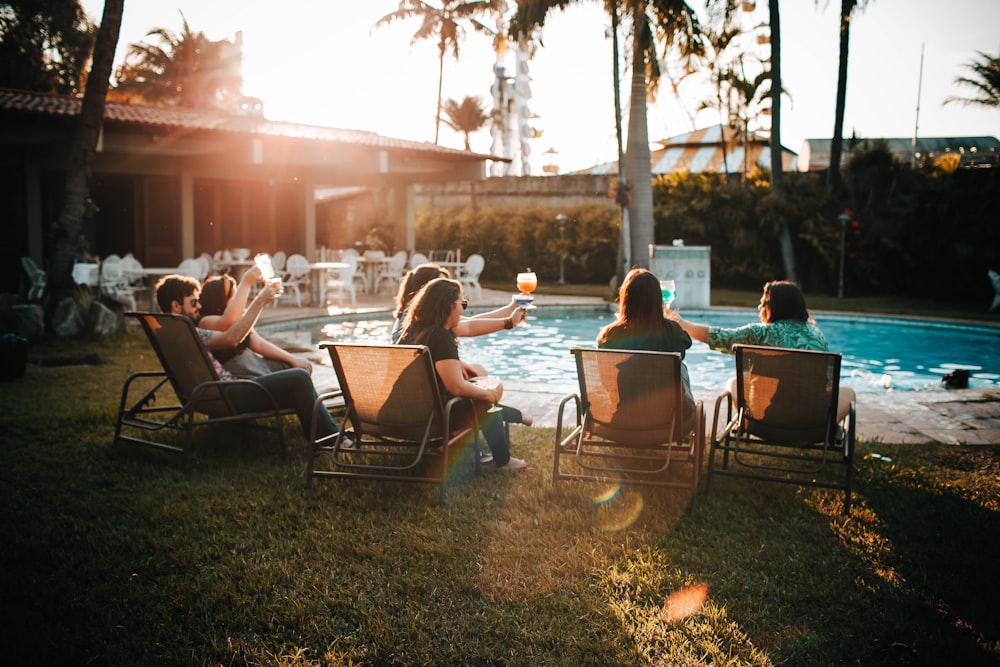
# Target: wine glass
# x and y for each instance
(668, 290)
(527, 281)
(487, 382)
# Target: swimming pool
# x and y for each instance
(879, 353)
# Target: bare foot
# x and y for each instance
(526, 418)
(515, 464)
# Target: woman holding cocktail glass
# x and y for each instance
(641, 325)
(431, 320)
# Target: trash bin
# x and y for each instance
(13, 356)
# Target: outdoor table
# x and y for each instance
(371, 265)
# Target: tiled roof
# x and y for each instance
(44, 104)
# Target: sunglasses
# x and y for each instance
(465, 304)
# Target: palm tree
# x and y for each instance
(186, 69)
(45, 46)
(675, 25)
(985, 79)
(444, 24)
(467, 116)
(847, 8)
(77, 197)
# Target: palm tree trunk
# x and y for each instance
(624, 255)
(777, 168)
(837, 143)
(81, 159)
(437, 116)
(637, 163)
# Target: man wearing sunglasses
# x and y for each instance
(292, 388)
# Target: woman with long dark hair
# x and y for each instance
(222, 303)
(431, 320)
(641, 325)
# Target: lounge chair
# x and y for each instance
(188, 388)
(629, 422)
(782, 424)
(399, 427)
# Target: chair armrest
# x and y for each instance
(575, 398)
(724, 396)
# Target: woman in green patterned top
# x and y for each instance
(784, 322)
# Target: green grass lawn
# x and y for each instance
(123, 558)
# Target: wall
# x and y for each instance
(518, 191)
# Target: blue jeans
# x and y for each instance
(292, 388)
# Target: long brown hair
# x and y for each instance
(640, 308)
(431, 307)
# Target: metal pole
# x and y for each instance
(843, 242)
(561, 218)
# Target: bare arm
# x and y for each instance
(450, 372)
(695, 330)
(493, 321)
(238, 303)
(234, 334)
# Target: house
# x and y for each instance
(973, 152)
(170, 183)
(716, 149)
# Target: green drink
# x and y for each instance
(668, 290)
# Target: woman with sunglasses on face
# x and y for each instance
(784, 322)
(431, 320)
(507, 317)
(222, 303)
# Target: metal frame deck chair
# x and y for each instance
(785, 424)
(196, 399)
(629, 416)
(399, 426)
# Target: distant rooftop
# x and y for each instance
(975, 152)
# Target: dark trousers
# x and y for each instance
(292, 388)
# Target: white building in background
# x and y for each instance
(512, 130)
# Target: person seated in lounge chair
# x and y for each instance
(641, 325)
(784, 322)
(291, 388)
(431, 320)
(507, 317)
(222, 302)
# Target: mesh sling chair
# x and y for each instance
(785, 424)
(200, 400)
(629, 422)
(400, 427)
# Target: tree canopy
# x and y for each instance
(45, 45)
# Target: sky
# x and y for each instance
(320, 63)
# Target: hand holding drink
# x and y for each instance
(267, 274)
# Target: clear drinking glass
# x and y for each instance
(668, 290)
(263, 262)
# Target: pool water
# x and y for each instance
(878, 353)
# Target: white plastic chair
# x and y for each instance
(37, 277)
(297, 269)
(342, 281)
(391, 272)
(417, 259)
(468, 274)
(114, 284)
(194, 268)
(278, 262)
